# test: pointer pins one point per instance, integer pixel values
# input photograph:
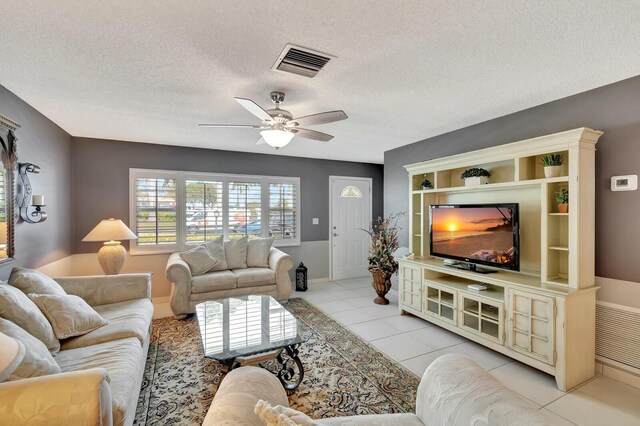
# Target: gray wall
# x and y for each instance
(42, 142)
(614, 109)
(101, 179)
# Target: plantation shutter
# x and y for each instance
(155, 214)
(245, 210)
(283, 211)
(203, 210)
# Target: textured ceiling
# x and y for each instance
(149, 71)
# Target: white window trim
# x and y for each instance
(181, 177)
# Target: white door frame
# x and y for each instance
(370, 180)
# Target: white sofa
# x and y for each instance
(187, 291)
(102, 370)
(453, 391)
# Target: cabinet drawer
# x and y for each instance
(439, 301)
(481, 316)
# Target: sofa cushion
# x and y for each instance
(258, 252)
(213, 281)
(236, 252)
(124, 362)
(251, 277)
(16, 307)
(36, 361)
(130, 318)
(69, 315)
(32, 281)
(216, 248)
(199, 260)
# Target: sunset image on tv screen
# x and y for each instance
(481, 233)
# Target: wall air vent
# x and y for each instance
(300, 60)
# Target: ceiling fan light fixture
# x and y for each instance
(276, 138)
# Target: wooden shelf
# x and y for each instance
(559, 248)
(494, 186)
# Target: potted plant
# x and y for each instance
(426, 184)
(562, 199)
(382, 265)
(475, 176)
(552, 165)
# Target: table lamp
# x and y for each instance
(10, 356)
(111, 255)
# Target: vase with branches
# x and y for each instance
(382, 265)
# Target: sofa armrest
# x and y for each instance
(179, 273)
(106, 289)
(70, 399)
(455, 390)
(280, 262)
(239, 393)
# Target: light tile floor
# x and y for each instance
(415, 343)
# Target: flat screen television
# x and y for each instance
(479, 234)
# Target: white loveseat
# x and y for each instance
(453, 391)
(187, 290)
(102, 370)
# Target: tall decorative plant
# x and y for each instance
(382, 265)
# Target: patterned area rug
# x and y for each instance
(344, 375)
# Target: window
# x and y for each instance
(203, 210)
(283, 210)
(155, 211)
(173, 211)
(244, 213)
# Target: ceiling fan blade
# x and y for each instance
(312, 134)
(254, 109)
(261, 141)
(248, 126)
(321, 118)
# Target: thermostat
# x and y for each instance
(624, 183)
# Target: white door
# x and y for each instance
(350, 214)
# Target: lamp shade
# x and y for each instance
(110, 230)
(276, 138)
(3, 232)
(10, 356)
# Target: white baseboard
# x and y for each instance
(161, 307)
(617, 371)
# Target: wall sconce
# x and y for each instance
(25, 199)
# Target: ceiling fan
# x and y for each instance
(278, 125)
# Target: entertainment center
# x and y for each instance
(542, 313)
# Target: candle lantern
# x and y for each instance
(301, 277)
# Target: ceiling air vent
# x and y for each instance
(300, 60)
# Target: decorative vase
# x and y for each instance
(563, 208)
(552, 171)
(381, 284)
(476, 180)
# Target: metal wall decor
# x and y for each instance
(24, 195)
(9, 157)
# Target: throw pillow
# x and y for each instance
(69, 315)
(36, 361)
(16, 307)
(281, 416)
(199, 260)
(236, 252)
(216, 248)
(32, 281)
(258, 252)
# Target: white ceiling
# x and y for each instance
(149, 71)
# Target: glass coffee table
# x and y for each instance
(250, 330)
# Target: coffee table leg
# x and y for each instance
(287, 372)
(230, 364)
